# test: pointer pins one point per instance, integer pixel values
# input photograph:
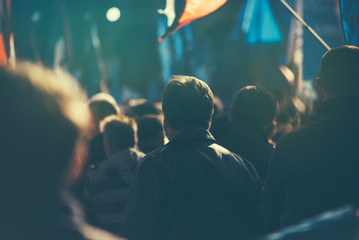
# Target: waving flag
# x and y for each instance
(181, 12)
(349, 10)
(259, 23)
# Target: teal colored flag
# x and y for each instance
(259, 24)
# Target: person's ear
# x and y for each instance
(229, 113)
(270, 129)
(321, 93)
(165, 123)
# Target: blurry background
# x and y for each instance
(111, 45)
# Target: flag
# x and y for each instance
(3, 55)
(181, 12)
(295, 49)
(259, 24)
(349, 11)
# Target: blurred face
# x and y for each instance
(107, 147)
(94, 125)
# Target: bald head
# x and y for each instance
(339, 72)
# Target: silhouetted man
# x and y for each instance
(251, 124)
(316, 168)
(107, 183)
(101, 105)
(192, 188)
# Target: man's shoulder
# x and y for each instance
(306, 133)
(156, 156)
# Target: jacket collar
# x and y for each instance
(237, 127)
(194, 135)
(337, 106)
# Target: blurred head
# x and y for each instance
(101, 106)
(338, 74)
(150, 133)
(44, 114)
(119, 132)
(141, 109)
(187, 103)
(254, 106)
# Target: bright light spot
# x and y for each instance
(113, 14)
(35, 16)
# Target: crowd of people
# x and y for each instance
(183, 169)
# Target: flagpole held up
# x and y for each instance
(311, 31)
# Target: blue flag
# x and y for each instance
(349, 11)
(259, 24)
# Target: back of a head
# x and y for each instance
(43, 115)
(43, 112)
(255, 106)
(119, 132)
(103, 105)
(187, 103)
(142, 109)
(150, 133)
(339, 71)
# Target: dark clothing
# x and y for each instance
(192, 188)
(107, 188)
(315, 168)
(96, 154)
(96, 150)
(250, 143)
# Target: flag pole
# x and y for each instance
(311, 31)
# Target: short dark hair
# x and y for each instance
(150, 133)
(187, 102)
(142, 109)
(119, 131)
(254, 105)
(339, 71)
(103, 105)
(148, 127)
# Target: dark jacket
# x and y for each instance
(250, 143)
(315, 168)
(96, 150)
(193, 188)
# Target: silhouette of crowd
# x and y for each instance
(180, 169)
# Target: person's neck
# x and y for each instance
(171, 132)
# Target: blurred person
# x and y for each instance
(138, 108)
(251, 124)
(107, 183)
(42, 151)
(150, 133)
(220, 119)
(315, 168)
(288, 119)
(101, 105)
(192, 188)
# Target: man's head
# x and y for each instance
(254, 106)
(150, 133)
(339, 73)
(43, 115)
(187, 103)
(101, 106)
(119, 132)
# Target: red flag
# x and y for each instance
(187, 11)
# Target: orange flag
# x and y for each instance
(3, 55)
(182, 12)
